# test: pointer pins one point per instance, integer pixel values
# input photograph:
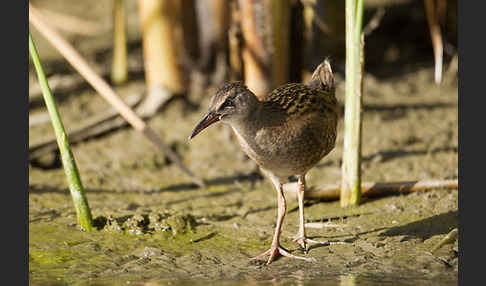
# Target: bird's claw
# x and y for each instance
(275, 250)
(303, 241)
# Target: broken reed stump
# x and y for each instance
(119, 66)
(433, 14)
(372, 189)
(235, 40)
(265, 43)
(213, 25)
(161, 27)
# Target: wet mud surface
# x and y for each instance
(154, 227)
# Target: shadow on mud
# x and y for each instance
(426, 228)
(387, 155)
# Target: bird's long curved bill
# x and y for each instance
(207, 120)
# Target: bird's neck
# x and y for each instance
(246, 130)
(247, 126)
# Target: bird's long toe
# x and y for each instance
(273, 252)
(303, 241)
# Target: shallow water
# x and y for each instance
(337, 280)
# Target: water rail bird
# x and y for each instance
(286, 132)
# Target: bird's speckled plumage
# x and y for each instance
(298, 99)
(286, 133)
(226, 94)
(290, 131)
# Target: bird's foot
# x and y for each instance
(275, 250)
(303, 241)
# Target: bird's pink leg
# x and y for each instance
(275, 248)
(301, 237)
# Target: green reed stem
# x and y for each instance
(351, 168)
(74, 181)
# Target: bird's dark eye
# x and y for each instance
(227, 103)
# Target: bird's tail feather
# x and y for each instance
(322, 77)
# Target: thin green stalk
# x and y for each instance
(351, 168)
(74, 181)
(359, 20)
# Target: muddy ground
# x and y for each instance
(156, 228)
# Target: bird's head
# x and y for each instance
(232, 102)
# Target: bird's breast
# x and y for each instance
(290, 148)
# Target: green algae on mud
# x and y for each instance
(386, 237)
(59, 251)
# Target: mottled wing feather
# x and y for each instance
(306, 134)
(298, 100)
